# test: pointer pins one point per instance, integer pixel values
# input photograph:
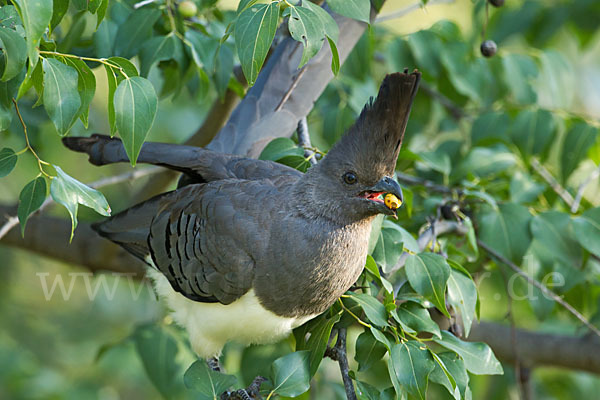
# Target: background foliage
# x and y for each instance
(483, 139)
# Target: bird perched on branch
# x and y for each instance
(248, 250)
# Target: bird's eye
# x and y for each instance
(350, 178)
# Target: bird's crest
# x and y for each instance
(375, 139)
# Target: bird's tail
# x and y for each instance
(130, 228)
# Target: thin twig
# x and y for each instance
(557, 187)
(287, 94)
(409, 9)
(14, 220)
(304, 141)
(338, 353)
(143, 3)
(456, 112)
(539, 285)
(413, 180)
(593, 176)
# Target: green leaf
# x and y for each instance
(157, 49)
(320, 331)
(135, 31)
(587, 230)
(435, 161)
(518, 72)
(101, 12)
(335, 57)
(104, 38)
(478, 357)
(8, 91)
(15, 53)
(485, 161)
(31, 198)
(364, 391)
(59, 9)
(371, 266)
(115, 75)
(254, 32)
(374, 310)
(135, 108)
(575, 148)
(86, 85)
(330, 27)
(455, 367)
(417, 318)
(506, 230)
(410, 364)
(426, 48)
(428, 274)
(533, 131)
(8, 160)
(489, 128)
(306, 27)
(392, 241)
(356, 9)
(554, 239)
(368, 350)
(223, 66)
(70, 193)
(73, 36)
(36, 16)
(462, 295)
(280, 148)
(290, 374)
(61, 96)
(163, 358)
(524, 189)
(208, 384)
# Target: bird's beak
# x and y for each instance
(389, 185)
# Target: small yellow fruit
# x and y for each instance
(187, 9)
(391, 201)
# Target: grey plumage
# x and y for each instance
(297, 240)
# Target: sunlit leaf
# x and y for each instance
(15, 53)
(478, 357)
(36, 16)
(61, 96)
(254, 33)
(410, 364)
(428, 274)
(290, 374)
(135, 108)
(70, 193)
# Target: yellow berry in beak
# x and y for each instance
(392, 202)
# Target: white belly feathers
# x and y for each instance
(211, 325)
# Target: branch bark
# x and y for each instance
(540, 349)
(338, 353)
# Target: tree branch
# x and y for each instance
(557, 187)
(338, 353)
(539, 285)
(538, 349)
(49, 236)
(593, 176)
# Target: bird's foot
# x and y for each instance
(252, 392)
(213, 363)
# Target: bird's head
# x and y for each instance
(351, 181)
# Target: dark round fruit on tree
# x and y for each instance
(488, 48)
(497, 3)
(187, 9)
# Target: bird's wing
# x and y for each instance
(199, 164)
(204, 238)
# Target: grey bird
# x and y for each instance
(247, 250)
